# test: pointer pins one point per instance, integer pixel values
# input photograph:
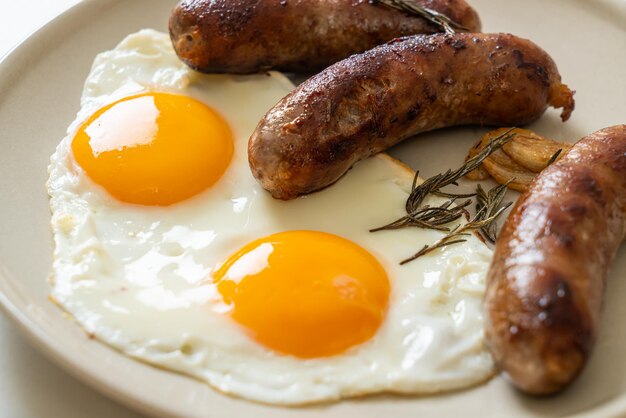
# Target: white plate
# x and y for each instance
(40, 85)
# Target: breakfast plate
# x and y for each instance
(41, 81)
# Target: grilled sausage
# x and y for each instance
(369, 102)
(245, 36)
(547, 278)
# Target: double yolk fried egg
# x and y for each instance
(168, 250)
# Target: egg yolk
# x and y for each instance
(154, 148)
(305, 293)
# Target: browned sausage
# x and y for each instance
(244, 36)
(369, 102)
(546, 282)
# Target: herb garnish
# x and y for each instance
(459, 233)
(444, 22)
(554, 157)
(430, 217)
(488, 203)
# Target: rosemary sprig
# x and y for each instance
(415, 216)
(489, 204)
(458, 234)
(430, 217)
(439, 181)
(408, 6)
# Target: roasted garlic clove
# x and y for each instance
(532, 151)
(520, 159)
(503, 168)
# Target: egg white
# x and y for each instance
(138, 278)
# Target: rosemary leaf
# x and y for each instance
(554, 157)
(408, 6)
(453, 195)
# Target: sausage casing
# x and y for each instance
(245, 36)
(547, 278)
(371, 101)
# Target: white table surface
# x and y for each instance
(30, 385)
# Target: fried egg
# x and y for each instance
(168, 250)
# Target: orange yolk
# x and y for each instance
(305, 293)
(154, 148)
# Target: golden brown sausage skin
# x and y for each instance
(245, 36)
(547, 278)
(369, 102)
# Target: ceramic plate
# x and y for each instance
(40, 85)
